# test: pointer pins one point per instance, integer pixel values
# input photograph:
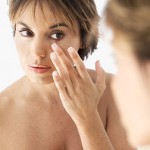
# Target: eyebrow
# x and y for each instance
(50, 27)
(58, 25)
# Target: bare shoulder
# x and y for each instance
(107, 101)
(106, 97)
(8, 95)
(110, 115)
(6, 102)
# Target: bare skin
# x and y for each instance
(34, 119)
(137, 94)
(34, 113)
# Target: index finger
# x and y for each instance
(62, 57)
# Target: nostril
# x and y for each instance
(42, 56)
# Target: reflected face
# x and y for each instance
(130, 92)
(34, 37)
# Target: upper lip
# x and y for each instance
(40, 66)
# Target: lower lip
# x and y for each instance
(40, 70)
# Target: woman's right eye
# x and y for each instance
(26, 33)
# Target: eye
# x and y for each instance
(26, 33)
(57, 35)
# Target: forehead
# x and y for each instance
(42, 12)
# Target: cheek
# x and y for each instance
(122, 83)
(120, 91)
(69, 42)
(19, 44)
(21, 47)
(76, 44)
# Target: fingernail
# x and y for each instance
(55, 74)
(53, 55)
(54, 46)
(71, 50)
(98, 62)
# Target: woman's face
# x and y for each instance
(130, 92)
(34, 37)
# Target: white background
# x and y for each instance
(10, 69)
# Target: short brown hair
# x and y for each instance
(83, 11)
(132, 18)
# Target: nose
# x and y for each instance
(40, 48)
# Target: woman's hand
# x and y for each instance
(78, 93)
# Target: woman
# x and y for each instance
(130, 24)
(59, 104)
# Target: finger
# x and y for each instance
(62, 57)
(62, 90)
(57, 64)
(59, 84)
(100, 80)
(80, 67)
(62, 72)
(65, 62)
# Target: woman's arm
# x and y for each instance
(80, 97)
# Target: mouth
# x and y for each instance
(39, 68)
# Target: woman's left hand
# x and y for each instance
(78, 93)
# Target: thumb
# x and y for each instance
(100, 80)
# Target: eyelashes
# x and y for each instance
(54, 35)
(26, 33)
(57, 35)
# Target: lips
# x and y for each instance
(39, 68)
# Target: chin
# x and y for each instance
(41, 80)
